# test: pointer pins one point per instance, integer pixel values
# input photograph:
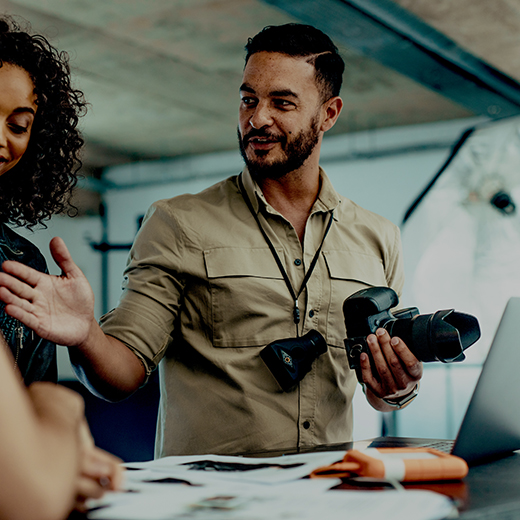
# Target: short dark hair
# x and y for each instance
(41, 184)
(300, 40)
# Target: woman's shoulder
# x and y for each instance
(14, 246)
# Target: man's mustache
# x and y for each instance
(263, 134)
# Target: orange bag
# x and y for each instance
(402, 464)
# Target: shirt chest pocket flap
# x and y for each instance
(356, 267)
(248, 294)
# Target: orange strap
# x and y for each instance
(402, 464)
(336, 470)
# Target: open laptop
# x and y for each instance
(491, 427)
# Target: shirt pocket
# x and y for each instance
(349, 271)
(250, 303)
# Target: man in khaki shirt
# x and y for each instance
(203, 292)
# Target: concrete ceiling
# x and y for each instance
(162, 76)
(487, 29)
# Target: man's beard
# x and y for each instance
(296, 152)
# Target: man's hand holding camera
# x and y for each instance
(387, 349)
(398, 371)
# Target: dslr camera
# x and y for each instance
(442, 336)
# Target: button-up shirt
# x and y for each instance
(203, 295)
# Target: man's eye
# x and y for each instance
(284, 103)
(248, 101)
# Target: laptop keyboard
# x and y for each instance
(443, 445)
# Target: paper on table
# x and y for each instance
(167, 489)
(302, 500)
(271, 470)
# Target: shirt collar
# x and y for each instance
(328, 199)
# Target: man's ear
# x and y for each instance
(331, 109)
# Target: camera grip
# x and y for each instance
(354, 348)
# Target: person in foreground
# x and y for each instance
(39, 146)
(214, 277)
(48, 462)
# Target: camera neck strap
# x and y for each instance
(295, 296)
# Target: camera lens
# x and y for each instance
(290, 359)
(442, 336)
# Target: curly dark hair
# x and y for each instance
(300, 40)
(41, 184)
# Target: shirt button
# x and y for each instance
(311, 313)
(298, 262)
(306, 425)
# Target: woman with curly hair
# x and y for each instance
(39, 158)
(48, 462)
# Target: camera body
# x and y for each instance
(290, 359)
(442, 336)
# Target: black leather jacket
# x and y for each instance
(34, 356)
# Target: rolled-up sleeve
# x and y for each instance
(152, 288)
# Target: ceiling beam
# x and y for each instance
(386, 32)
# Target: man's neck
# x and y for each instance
(294, 195)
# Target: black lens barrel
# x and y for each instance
(442, 336)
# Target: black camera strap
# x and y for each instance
(296, 311)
